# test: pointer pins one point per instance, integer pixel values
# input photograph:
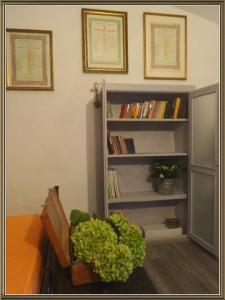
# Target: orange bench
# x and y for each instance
(25, 247)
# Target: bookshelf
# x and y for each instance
(192, 138)
(153, 138)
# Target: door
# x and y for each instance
(204, 167)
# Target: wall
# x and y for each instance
(51, 136)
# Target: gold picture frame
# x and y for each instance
(104, 41)
(29, 59)
(165, 46)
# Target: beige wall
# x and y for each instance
(51, 136)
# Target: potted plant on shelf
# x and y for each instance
(111, 247)
(165, 172)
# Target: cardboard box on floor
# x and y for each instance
(58, 231)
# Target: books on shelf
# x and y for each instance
(112, 184)
(119, 144)
(154, 109)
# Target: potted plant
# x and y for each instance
(112, 248)
(165, 172)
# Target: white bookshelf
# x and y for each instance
(153, 139)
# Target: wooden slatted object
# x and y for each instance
(58, 231)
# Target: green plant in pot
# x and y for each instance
(165, 172)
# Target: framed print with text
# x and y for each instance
(29, 59)
(104, 37)
(165, 46)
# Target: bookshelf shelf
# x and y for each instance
(164, 154)
(147, 120)
(146, 196)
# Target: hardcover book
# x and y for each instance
(169, 109)
(182, 112)
(176, 109)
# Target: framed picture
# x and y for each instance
(29, 59)
(165, 46)
(104, 36)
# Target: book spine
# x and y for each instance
(111, 177)
(143, 109)
(137, 107)
(146, 109)
(118, 145)
(109, 188)
(115, 148)
(110, 151)
(140, 110)
(111, 194)
(152, 109)
(127, 146)
(133, 110)
(164, 109)
(131, 145)
(168, 112)
(156, 112)
(177, 104)
(116, 185)
(160, 109)
(182, 109)
(123, 146)
(126, 109)
(149, 108)
(122, 111)
(109, 143)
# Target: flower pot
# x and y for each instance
(166, 186)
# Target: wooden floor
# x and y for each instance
(181, 267)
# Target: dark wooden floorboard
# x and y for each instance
(181, 267)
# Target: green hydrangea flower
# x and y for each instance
(131, 236)
(117, 221)
(88, 237)
(113, 248)
(114, 262)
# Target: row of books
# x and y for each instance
(112, 184)
(120, 145)
(155, 109)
